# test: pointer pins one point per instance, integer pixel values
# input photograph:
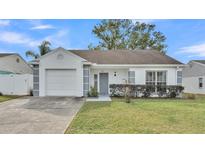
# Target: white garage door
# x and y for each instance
(61, 82)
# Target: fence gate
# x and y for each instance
(16, 84)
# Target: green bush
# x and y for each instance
(1, 94)
(146, 91)
(172, 94)
(93, 92)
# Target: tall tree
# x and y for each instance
(125, 34)
(32, 54)
(44, 48)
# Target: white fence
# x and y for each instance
(16, 84)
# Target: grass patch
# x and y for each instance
(141, 116)
(6, 98)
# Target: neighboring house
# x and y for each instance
(194, 77)
(14, 63)
(72, 72)
(15, 75)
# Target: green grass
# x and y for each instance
(141, 116)
(6, 98)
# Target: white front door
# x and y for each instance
(61, 82)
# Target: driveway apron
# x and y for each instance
(38, 115)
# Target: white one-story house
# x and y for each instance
(72, 72)
(15, 75)
(194, 77)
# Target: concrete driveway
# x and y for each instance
(37, 115)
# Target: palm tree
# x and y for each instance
(32, 54)
(44, 48)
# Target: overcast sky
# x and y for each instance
(185, 38)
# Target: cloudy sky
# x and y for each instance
(185, 38)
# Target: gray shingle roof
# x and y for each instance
(126, 57)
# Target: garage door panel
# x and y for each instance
(57, 86)
(61, 82)
(61, 93)
(56, 79)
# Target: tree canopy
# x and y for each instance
(114, 34)
(44, 48)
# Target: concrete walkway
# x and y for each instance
(99, 99)
(35, 115)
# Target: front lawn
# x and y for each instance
(6, 98)
(141, 116)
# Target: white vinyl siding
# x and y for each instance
(191, 85)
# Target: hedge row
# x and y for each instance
(146, 90)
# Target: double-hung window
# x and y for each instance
(131, 77)
(179, 77)
(161, 78)
(150, 78)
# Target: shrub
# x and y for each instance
(146, 93)
(1, 94)
(162, 94)
(172, 94)
(146, 90)
(88, 94)
(93, 92)
(117, 90)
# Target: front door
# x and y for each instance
(103, 83)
